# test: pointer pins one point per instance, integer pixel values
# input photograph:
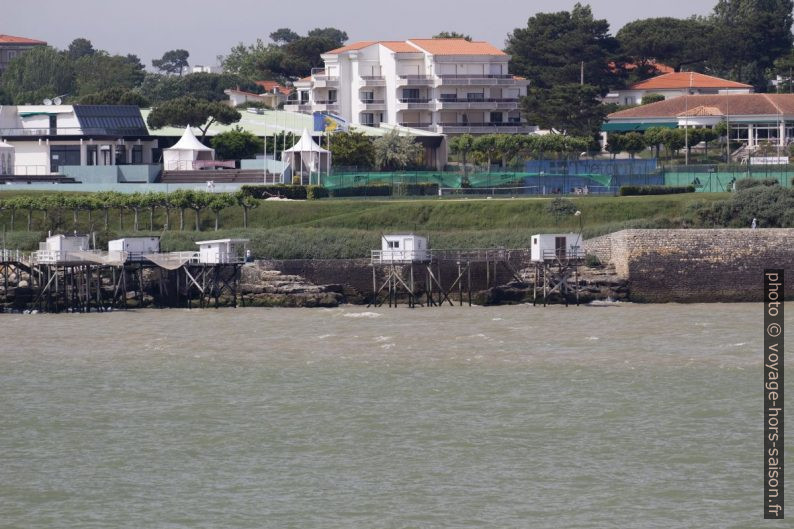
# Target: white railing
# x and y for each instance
(572, 252)
(14, 256)
(399, 256)
(68, 256)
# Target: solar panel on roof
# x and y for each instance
(112, 119)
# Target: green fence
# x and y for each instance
(720, 178)
(444, 179)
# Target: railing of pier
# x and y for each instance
(462, 254)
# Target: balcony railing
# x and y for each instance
(425, 126)
(475, 76)
(373, 101)
(323, 77)
(416, 77)
(484, 100)
(414, 100)
(73, 131)
(325, 102)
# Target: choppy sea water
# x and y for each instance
(642, 416)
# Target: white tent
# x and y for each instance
(184, 154)
(307, 159)
(6, 158)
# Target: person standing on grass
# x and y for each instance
(754, 224)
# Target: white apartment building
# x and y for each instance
(449, 86)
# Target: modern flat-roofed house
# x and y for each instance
(752, 118)
(46, 137)
(676, 84)
(11, 47)
(449, 86)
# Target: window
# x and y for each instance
(63, 155)
(559, 246)
(137, 154)
(91, 155)
(475, 96)
(449, 97)
(411, 93)
(496, 117)
(332, 96)
(367, 96)
(53, 124)
(393, 244)
(367, 118)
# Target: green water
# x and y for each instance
(589, 417)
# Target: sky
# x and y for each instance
(148, 28)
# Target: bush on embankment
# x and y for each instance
(627, 191)
(771, 206)
(292, 192)
(747, 183)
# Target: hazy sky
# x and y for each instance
(207, 29)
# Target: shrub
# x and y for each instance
(626, 191)
(561, 207)
(373, 190)
(747, 183)
(592, 261)
(772, 206)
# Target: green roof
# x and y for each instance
(626, 127)
(273, 122)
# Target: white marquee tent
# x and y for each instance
(187, 151)
(6, 158)
(307, 159)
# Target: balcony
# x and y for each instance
(372, 80)
(485, 103)
(483, 128)
(422, 126)
(478, 80)
(373, 104)
(415, 80)
(74, 131)
(295, 106)
(323, 105)
(325, 81)
(421, 103)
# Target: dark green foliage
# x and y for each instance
(451, 35)
(372, 190)
(747, 183)
(78, 48)
(352, 149)
(570, 108)
(39, 73)
(115, 96)
(672, 41)
(186, 111)
(626, 191)
(173, 61)
(652, 98)
(552, 47)
(101, 71)
(561, 207)
(209, 86)
(284, 36)
(236, 144)
(772, 206)
(592, 261)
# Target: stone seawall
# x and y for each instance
(715, 265)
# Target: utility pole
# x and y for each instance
(581, 73)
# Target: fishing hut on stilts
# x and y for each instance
(556, 259)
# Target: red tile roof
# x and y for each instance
(684, 80)
(353, 47)
(456, 47)
(431, 46)
(399, 46)
(268, 86)
(10, 39)
(727, 104)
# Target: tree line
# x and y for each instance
(143, 208)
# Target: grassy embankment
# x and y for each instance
(351, 228)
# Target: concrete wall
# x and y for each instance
(111, 174)
(697, 265)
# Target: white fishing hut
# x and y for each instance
(222, 251)
(134, 247)
(61, 249)
(554, 246)
(402, 248)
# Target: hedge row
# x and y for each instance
(626, 191)
(294, 192)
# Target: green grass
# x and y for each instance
(351, 228)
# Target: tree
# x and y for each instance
(247, 202)
(673, 140)
(508, 146)
(180, 200)
(114, 96)
(462, 145)
(100, 71)
(569, 108)
(39, 73)
(633, 142)
(284, 36)
(451, 35)
(335, 36)
(748, 36)
(394, 151)
(173, 61)
(654, 137)
(784, 68)
(672, 41)
(651, 98)
(198, 201)
(554, 47)
(236, 144)
(185, 111)
(78, 48)
(488, 146)
(218, 203)
(352, 149)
